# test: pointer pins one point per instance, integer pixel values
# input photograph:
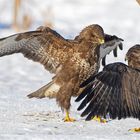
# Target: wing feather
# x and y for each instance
(117, 94)
(114, 42)
(40, 46)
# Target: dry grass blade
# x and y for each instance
(138, 1)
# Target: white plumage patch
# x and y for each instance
(52, 91)
(106, 48)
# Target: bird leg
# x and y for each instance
(99, 119)
(68, 118)
(134, 130)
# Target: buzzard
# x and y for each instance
(115, 90)
(72, 61)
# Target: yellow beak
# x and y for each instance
(101, 41)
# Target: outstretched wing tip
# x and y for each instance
(112, 102)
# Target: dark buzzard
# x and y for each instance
(115, 90)
(72, 61)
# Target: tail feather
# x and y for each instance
(50, 90)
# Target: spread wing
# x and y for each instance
(115, 90)
(112, 38)
(46, 47)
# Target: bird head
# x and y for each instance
(93, 33)
(133, 56)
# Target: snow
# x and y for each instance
(31, 119)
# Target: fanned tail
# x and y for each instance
(50, 90)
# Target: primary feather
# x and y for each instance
(118, 91)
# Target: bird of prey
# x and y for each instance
(115, 90)
(72, 61)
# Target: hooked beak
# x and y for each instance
(101, 41)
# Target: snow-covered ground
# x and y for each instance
(31, 119)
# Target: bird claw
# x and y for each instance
(68, 119)
(99, 119)
(134, 130)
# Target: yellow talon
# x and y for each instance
(67, 118)
(134, 130)
(99, 119)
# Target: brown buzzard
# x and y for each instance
(115, 90)
(72, 61)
